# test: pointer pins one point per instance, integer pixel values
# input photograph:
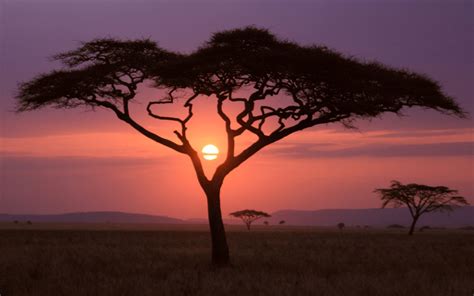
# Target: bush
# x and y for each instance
(426, 227)
(396, 226)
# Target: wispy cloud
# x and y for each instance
(381, 143)
(376, 150)
(426, 133)
(31, 163)
(83, 145)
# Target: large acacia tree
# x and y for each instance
(278, 88)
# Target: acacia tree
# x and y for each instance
(278, 88)
(420, 199)
(249, 216)
(341, 226)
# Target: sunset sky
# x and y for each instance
(55, 161)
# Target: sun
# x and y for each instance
(210, 152)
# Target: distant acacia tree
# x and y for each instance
(273, 87)
(249, 216)
(420, 199)
(341, 226)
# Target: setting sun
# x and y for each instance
(210, 152)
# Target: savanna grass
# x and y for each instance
(145, 260)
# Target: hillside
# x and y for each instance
(93, 217)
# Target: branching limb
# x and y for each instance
(182, 122)
(126, 118)
(231, 134)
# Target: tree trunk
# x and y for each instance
(220, 250)
(412, 227)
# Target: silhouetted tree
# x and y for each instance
(341, 226)
(420, 199)
(249, 216)
(282, 222)
(275, 87)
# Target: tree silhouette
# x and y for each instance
(282, 222)
(340, 226)
(277, 87)
(420, 199)
(249, 216)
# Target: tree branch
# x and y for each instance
(169, 100)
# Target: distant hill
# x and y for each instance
(93, 217)
(374, 217)
(205, 221)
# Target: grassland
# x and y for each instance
(161, 260)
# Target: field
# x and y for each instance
(161, 260)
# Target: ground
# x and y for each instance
(108, 259)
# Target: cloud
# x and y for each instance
(424, 133)
(306, 150)
(18, 162)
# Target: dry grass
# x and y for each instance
(40, 260)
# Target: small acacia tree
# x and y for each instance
(276, 87)
(420, 199)
(249, 216)
(341, 226)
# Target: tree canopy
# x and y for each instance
(322, 85)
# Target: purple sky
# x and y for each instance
(432, 37)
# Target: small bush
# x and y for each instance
(395, 226)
